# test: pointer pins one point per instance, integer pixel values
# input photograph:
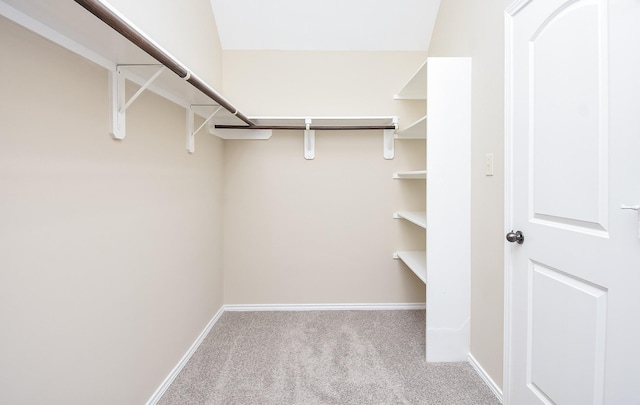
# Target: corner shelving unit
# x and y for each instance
(414, 89)
(448, 207)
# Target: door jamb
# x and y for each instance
(509, 13)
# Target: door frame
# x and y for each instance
(509, 13)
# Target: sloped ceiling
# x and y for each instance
(325, 25)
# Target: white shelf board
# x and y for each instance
(71, 26)
(416, 87)
(416, 261)
(411, 175)
(325, 121)
(416, 217)
(417, 130)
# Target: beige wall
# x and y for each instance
(473, 28)
(314, 83)
(110, 262)
(185, 28)
(320, 231)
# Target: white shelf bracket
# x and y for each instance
(309, 141)
(191, 133)
(388, 140)
(119, 104)
(389, 143)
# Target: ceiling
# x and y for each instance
(325, 25)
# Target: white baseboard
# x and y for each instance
(183, 361)
(323, 307)
(485, 377)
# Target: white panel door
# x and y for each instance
(573, 128)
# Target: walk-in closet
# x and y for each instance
(178, 206)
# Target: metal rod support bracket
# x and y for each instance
(388, 140)
(191, 132)
(309, 141)
(119, 104)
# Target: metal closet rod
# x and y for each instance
(303, 127)
(98, 9)
(113, 20)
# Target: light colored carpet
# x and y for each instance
(325, 357)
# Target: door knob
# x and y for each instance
(516, 236)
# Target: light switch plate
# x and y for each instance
(488, 164)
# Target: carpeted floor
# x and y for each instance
(326, 357)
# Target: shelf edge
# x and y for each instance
(416, 261)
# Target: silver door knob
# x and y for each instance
(516, 236)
